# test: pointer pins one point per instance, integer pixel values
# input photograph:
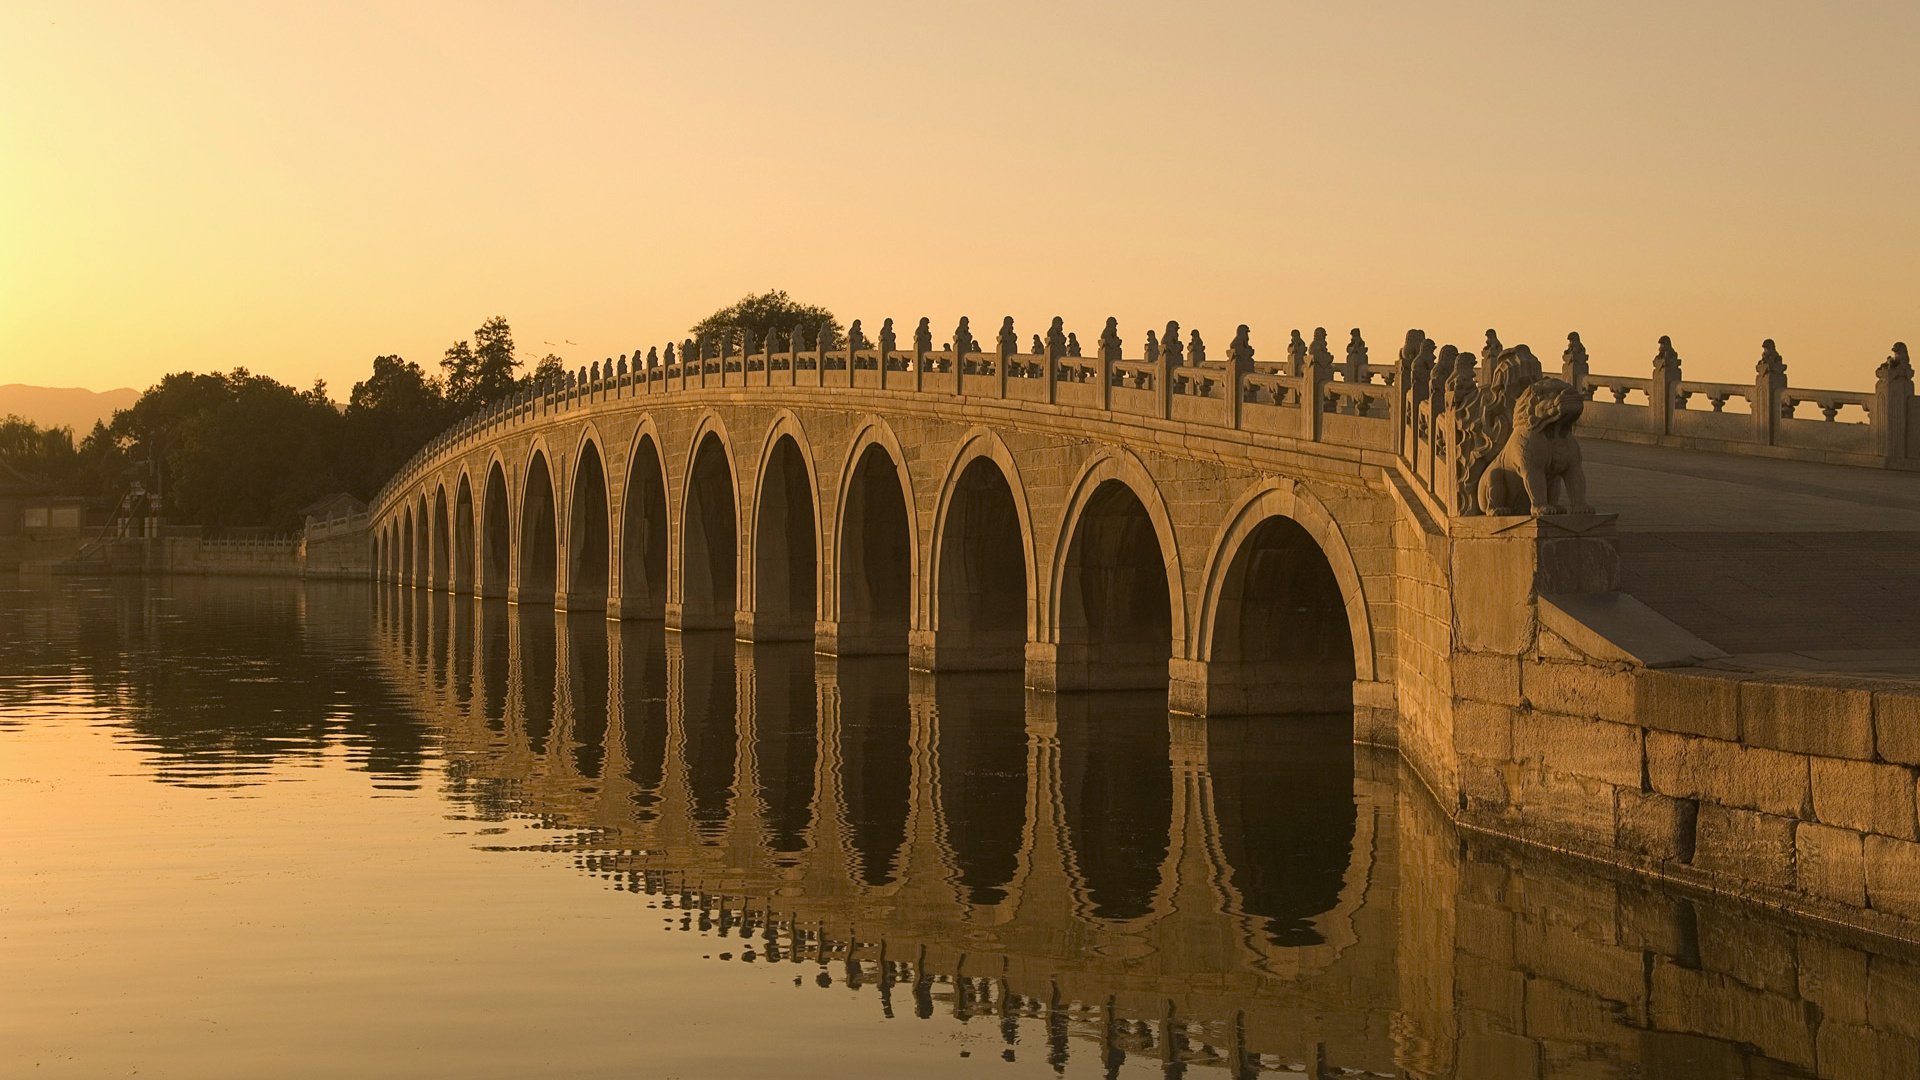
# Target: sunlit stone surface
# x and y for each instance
(254, 829)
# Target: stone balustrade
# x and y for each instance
(1357, 405)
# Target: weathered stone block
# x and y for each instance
(1481, 730)
(1864, 797)
(1726, 773)
(1561, 806)
(1745, 845)
(1654, 825)
(1579, 690)
(1573, 744)
(1688, 702)
(1830, 721)
(1893, 879)
(1896, 726)
(1486, 677)
(1830, 863)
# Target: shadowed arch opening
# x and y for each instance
(463, 538)
(442, 543)
(876, 558)
(422, 546)
(643, 536)
(1115, 621)
(589, 534)
(709, 563)
(981, 579)
(406, 548)
(786, 557)
(539, 540)
(1281, 641)
(496, 537)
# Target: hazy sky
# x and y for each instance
(297, 189)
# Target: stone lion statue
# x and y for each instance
(1538, 469)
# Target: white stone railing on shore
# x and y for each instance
(1356, 405)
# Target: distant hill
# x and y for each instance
(64, 406)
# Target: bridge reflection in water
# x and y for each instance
(1161, 884)
(1255, 894)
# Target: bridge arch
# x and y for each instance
(643, 527)
(1117, 614)
(422, 544)
(539, 548)
(876, 545)
(589, 539)
(783, 579)
(980, 598)
(442, 577)
(709, 529)
(463, 526)
(496, 531)
(1283, 624)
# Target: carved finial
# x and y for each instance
(888, 341)
(1666, 361)
(1009, 343)
(622, 369)
(1441, 374)
(963, 342)
(1771, 364)
(1110, 340)
(923, 335)
(771, 342)
(1073, 344)
(1056, 338)
(1896, 366)
(1296, 354)
(794, 338)
(1356, 356)
(1038, 346)
(856, 338)
(1319, 355)
(1491, 350)
(1153, 347)
(1240, 352)
(823, 339)
(1573, 362)
(1196, 349)
(596, 369)
(1170, 344)
(653, 356)
(667, 356)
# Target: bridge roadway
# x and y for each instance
(1743, 717)
(1784, 564)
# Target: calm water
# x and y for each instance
(254, 829)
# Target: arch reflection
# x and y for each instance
(708, 727)
(1116, 791)
(980, 756)
(785, 740)
(876, 765)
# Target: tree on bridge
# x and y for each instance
(774, 310)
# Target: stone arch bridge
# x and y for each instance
(1302, 537)
(979, 520)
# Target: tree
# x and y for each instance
(389, 416)
(481, 373)
(549, 368)
(43, 454)
(776, 311)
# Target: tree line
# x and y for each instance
(240, 449)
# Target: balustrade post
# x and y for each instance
(919, 364)
(1163, 385)
(1313, 400)
(1893, 404)
(1663, 391)
(1769, 393)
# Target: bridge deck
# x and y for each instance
(1784, 564)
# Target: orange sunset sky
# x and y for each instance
(296, 188)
